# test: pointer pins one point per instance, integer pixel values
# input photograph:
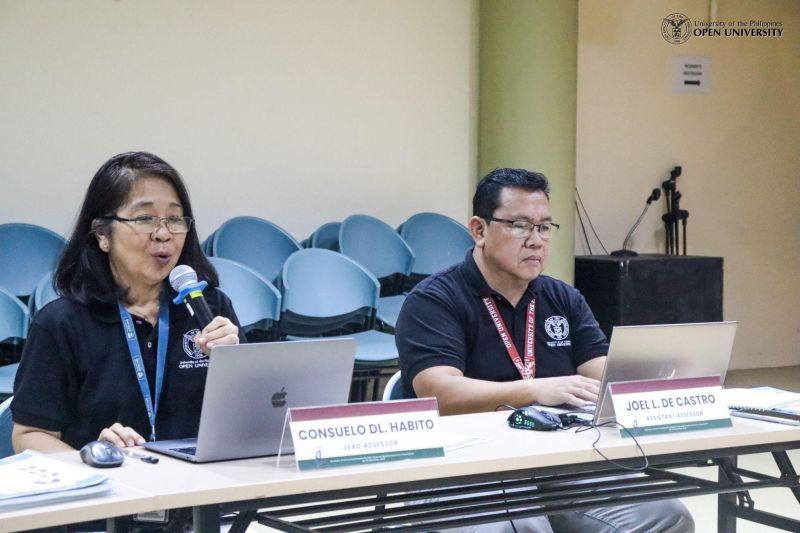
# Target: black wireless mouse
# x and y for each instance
(532, 418)
(101, 454)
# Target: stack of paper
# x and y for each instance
(28, 479)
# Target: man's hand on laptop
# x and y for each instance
(121, 436)
(574, 390)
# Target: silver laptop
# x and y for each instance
(664, 351)
(249, 387)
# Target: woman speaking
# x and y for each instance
(80, 376)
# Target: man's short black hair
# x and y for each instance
(487, 193)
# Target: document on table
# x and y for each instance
(30, 478)
(454, 441)
(765, 403)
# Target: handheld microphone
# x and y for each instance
(183, 280)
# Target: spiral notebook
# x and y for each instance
(765, 403)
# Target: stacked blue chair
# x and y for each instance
(27, 253)
(382, 251)
(328, 294)
(394, 388)
(438, 242)
(207, 245)
(7, 375)
(326, 236)
(13, 327)
(256, 243)
(256, 301)
(6, 425)
(13, 317)
(44, 293)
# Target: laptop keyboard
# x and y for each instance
(191, 450)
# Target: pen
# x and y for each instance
(146, 458)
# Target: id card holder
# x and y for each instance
(153, 517)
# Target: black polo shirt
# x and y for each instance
(76, 374)
(444, 322)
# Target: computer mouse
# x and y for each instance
(102, 454)
(532, 418)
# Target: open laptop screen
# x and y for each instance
(664, 351)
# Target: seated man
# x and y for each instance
(493, 330)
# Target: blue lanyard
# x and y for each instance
(138, 364)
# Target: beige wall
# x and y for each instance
(528, 54)
(739, 147)
(298, 111)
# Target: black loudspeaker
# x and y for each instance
(650, 289)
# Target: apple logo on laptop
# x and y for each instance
(279, 398)
(667, 371)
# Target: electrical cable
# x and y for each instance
(571, 420)
(583, 228)
(596, 427)
(589, 219)
(508, 511)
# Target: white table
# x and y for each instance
(536, 463)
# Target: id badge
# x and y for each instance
(156, 517)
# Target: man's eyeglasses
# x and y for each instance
(524, 228)
(150, 223)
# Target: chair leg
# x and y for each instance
(358, 392)
(376, 382)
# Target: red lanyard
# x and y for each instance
(527, 370)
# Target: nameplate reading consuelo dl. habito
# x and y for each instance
(669, 405)
(365, 433)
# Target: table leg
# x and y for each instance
(206, 518)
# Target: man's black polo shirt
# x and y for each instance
(444, 322)
(76, 374)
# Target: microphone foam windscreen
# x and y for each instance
(182, 275)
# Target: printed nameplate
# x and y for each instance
(669, 405)
(365, 433)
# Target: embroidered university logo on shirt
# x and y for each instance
(198, 358)
(557, 328)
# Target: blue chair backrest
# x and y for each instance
(27, 252)
(13, 316)
(254, 298)
(207, 245)
(6, 425)
(321, 283)
(438, 241)
(375, 245)
(256, 243)
(42, 295)
(326, 236)
(394, 388)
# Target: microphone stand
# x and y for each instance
(683, 215)
(668, 186)
(676, 209)
(655, 195)
(667, 218)
(670, 218)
